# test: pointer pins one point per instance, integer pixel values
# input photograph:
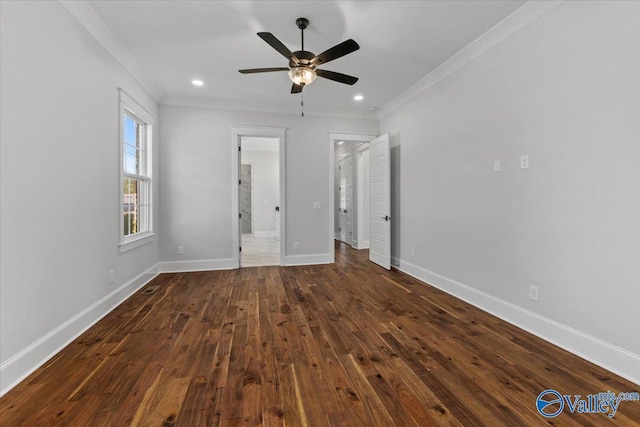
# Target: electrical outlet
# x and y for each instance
(496, 166)
(180, 250)
(296, 245)
(317, 205)
(413, 252)
(533, 293)
(112, 276)
(524, 161)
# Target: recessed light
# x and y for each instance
(341, 142)
(197, 82)
(358, 97)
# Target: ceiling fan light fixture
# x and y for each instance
(302, 75)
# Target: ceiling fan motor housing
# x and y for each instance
(304, 56)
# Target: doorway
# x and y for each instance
(345, 196)
(259, 201)
(258, 196)
(349, 164)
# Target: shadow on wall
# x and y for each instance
(394, 142)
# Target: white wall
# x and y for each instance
(59, 183)
(196, 179)
(566, 91)
(265, 177)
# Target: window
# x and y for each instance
(135, 173)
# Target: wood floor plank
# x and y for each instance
(346, 344)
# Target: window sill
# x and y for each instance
(136, 242)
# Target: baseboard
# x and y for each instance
(21, 365)
(613, 358)
(197, 265)
(265, 234)
(308, 259)
(364, 245)
(336, 236)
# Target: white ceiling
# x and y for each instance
(400, 42)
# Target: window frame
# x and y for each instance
(130, 107)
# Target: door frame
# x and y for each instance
(333, 138)
(237, 132)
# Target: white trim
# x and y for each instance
(510, 25)
(333, 137)
(352, 136)
(364, 245)
(312, 259)
(129, 106)
(137, 242)
(615, 359)
(89, 19)
(265, 234)
(237, 132)
(36, 354)
(197, 265)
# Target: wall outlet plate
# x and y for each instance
(524, 161)
(496, 165)
(533, 293)
(296, 245)
(180, 250)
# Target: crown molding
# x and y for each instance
(89, 19)
(510, 25)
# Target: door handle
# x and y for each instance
(386, 218)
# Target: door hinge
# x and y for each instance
(239, 182)
(240, 249)
(239, 148)
(240, 215)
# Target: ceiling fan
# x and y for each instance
(303, 64)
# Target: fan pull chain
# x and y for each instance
(302, 103)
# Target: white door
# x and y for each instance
(380, 200)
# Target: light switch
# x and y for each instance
(496, 166)
(317, 205)
(524, 161)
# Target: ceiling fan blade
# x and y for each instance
(296, 88)
(336, 52)
(277, 45)
(263, 70)
(337, 77)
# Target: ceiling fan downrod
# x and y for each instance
(302, 23)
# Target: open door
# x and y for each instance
(380, 200)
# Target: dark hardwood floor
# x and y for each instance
(348, 344)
